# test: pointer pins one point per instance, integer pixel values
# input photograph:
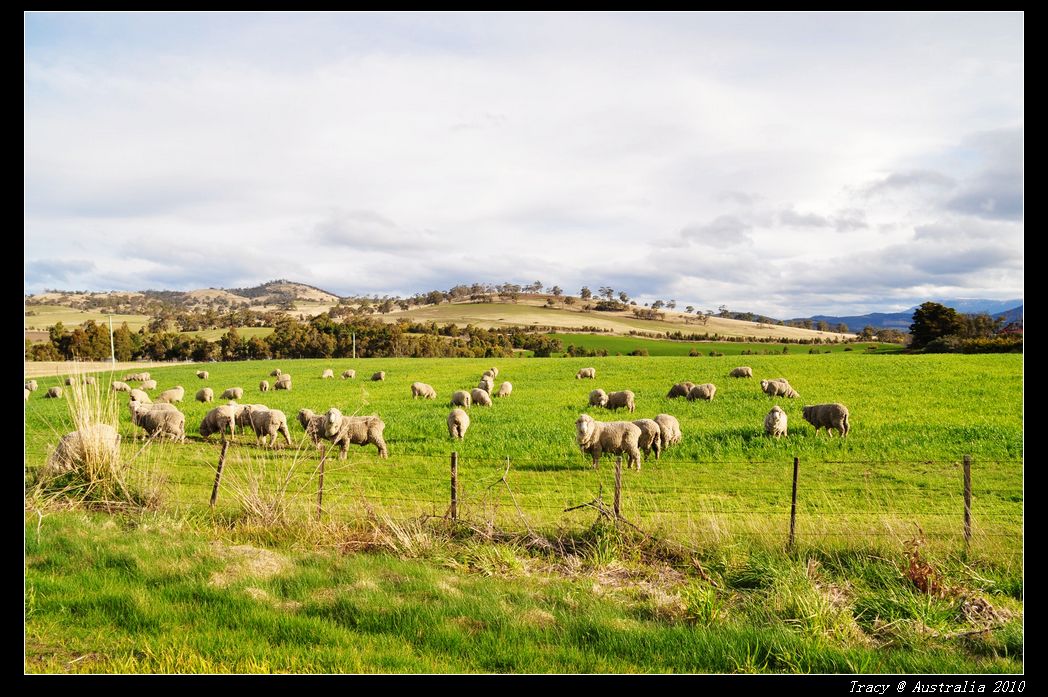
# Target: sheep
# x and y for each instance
(175, 394)
(85, 380)
(148, 384)
(233, 393)
(681, 389)
(421, 389)
(379, 376)
(586, 373)
(349, 374)
(136, 377)
(242, 413)
(53, 393)
(328, 373)
(775, 422)
(69, 381)
(705, 391)
(461, 398)
(487, 385)
(624, 398)
(743, 371)
(118, 386)
(505, 390)
(828, 416)
(778, 387)
(480, 397)
(650, 437)
(268, 423)
(205, 394)
(219, 419)
(494, 372)
(617, 437)
(313, 424)
(97, 443)
(598, 398)
(27, 392)
(89, 380)
(203, 374)
(140, 396)
(275, 373)
(31, 385)
(263, 386)
(361, 430)
(669, 429)
(284, 383)
(488, 374)
(159, 420)
(458, 424)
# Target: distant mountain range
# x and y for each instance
(1012, 310)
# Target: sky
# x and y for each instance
(779, 163)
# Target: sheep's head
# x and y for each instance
(304, 417)
(584, 427)
(332, 422)
(764, 385)
(601, 397)
(808, 412)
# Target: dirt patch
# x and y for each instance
(538, 618)
(246, 561)
(469, 625)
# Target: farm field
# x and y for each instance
(244, 332)
(663, 347)
(724, 493)
(46, 316)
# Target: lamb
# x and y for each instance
(681, 389)
(219, 419)
(505, 390)
(379, 376)
(705, 391)
(140, 396)
(487, 385)
(461, 398)
(284, 383)
(775, 422)
(313, 424)
(349, 374)
(624, 398)
(118, 386)
(598, 398)
(778, 387)
(268, 423)
(480, 397)
(669, 429)
(263, 386)
(361, 430)
(203, 374)
(159, 420)
(421, 389)
(741, 372)
(275, 373)
(31, 385)
(329, 373)
(53, 393)
(586, 373)
(97, 443)
(205, 394)
(650, 437)
(828, 416)
(458, 424)
(233, 393)
(616, 437)
(175, 394)
(148, 384)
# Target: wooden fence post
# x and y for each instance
(218, 474)
(320, 485)
(793, 505)
(967, 500)
(454, 485)
(618, 485)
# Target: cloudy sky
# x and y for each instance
(786, 164)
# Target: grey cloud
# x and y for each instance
(722, 231)
(845, 220)
(364, 230)
(44, 271)
(739, 197)
(912, 179)
(791, 217)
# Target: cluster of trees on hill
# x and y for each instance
(937, 328)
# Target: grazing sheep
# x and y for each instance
(233, 393)
(148, 384)
(617, 400)
(349, 374)
(85, 380)
(219, 419)
(778, 388)
(361, 430)
(705, 391)
(205, 394)
(27, 393)
(284, 383)
(242, 413)
(650, 437)
(775, 422)
(598, 398)
(329, 373)
(89, 380)
(140, 396)
(494, 372)
(118, 386)
(69, 381)
(31, 385)
(379, 376)
(313, 424)
(263, 386)
(175, 394)
(586, 373)
(669, 429)
(421, 389)
(481, 398)
(617, 437)
(828, 416)
(461, 398)
(487, 385)
(458, 424)
(136, 377)
(275, 373)
(505, 390)
(267, 423)
(743, 371)
(159, 420)
(203, 374)
(97, 443)
(681, 389)
(53, 393)
(488, 374)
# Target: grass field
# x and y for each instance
(623, 345)
(47, 316)
(244, 332)
(837, 602)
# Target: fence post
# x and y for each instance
(218, 474)
(454, 485)
(967, 500)
(618, 485)
(320, 485)
(793, 504)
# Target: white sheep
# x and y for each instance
(778, 387)
(203, 374)
(31, 385)
(669, 429)
(263, 386)
(205, 394)
(618, 400)
(349, 374)
(138, 395)
(219, 419)
(268, 423)
(616, 437)
(148, 384)
(458, 423)
(284, 383)
(118, 386)
(828, 416)
(743, 371)
(681, 389)
(53, 393)
(421, 389)
(379, 376)
(481, 398)
(359, 430)
(99, 443)
(598, 398)
(505, 390)
(775, 423)
(650, 437)
(328, 373)
(159, 420)
(586, 373)
(461, 398)
(705, 391)
(175, 394)
(233, 393)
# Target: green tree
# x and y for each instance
(932, 321)
(585, 293)
(123, 343)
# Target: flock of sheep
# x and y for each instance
(161, 418)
